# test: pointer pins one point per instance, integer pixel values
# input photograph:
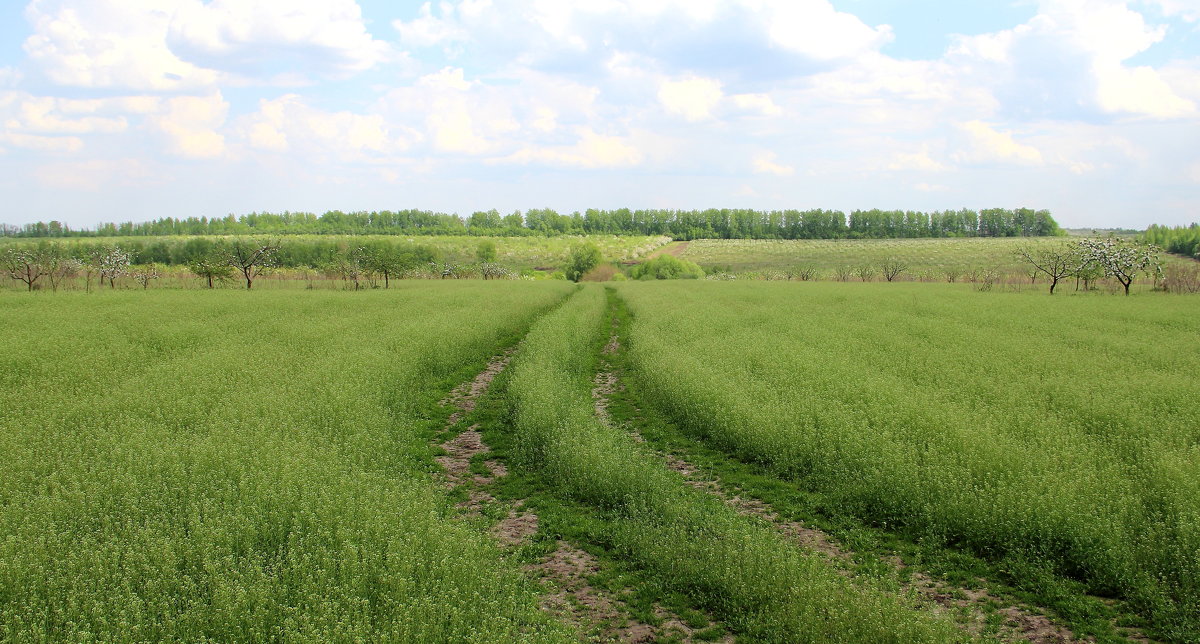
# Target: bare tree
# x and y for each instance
(25, 265)
(805, 272)
(892, 267)
(251, 257)
(865, 272)
(1056, 261)
(62, 268)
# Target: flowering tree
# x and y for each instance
(23, 264)
(110, 262)
(1120, 259)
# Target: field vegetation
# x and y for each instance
(215, 466)
(1053, 436)
(260, 465)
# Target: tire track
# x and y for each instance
(595, 612)
(1019, 623)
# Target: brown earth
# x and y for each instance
(595, 612)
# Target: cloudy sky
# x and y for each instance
(115, 110)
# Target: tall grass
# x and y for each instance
(737, 567)
(198, 466)
(1058, 434)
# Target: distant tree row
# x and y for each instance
(679, 224)
(1181, 240)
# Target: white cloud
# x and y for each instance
(37, 143)
(817, 30)
(48, 115)
(985, 144)
(426, 30)
(447, 78)
(1188, 10)
(759, 104)
(693, 97)
(1069, 59)
(592, 150)
(109, 43)
(764, 163)
(191, 125)
(915, 161)
(9, 77)
(233, 35)
(184, 45)
(288, 124)
(931, 187)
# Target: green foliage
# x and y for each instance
(584, 257)
(486, 251)
(714, 223)
(247, 467)
(1181, 240)
(1061, 432)
(666, 267)
(760, 584)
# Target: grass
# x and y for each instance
(692, 543)
(198, 466)
(1046, 434)
(932, 257)
(518, 253)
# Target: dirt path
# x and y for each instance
(670, 248)
(596, 613)
(969, 606)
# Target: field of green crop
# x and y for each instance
(260, 465)
(216, 466)
(932, 257)
(1050, 434)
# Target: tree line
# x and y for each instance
(48, 263)
(1181, 240)
(712, 223)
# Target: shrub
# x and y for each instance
(667, 267)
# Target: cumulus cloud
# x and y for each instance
(984, 144)
(693, 98)
(109, 43)
(49, 115)
(181, 45)
(38, 143)
(1068, 60)
(236, 36)
(190, 125)
(919, 160)
(764, 163)
(289, 124)
(570, 36)
(591, 150)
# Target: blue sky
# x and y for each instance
(116, 110)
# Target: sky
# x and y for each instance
(130, 110)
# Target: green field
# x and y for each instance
(925, 259)
(1057, 435)
(775, 462)
(214, 466)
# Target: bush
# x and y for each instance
(667, 267)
